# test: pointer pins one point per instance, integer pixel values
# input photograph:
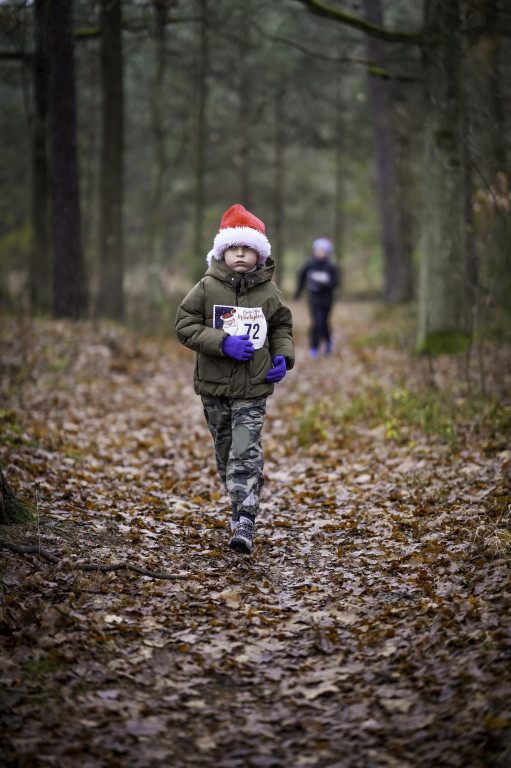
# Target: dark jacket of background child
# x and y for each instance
(321, 277)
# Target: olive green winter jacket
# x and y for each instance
(216, 374)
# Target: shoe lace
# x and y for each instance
(245, 527)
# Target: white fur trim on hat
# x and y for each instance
(240, 236)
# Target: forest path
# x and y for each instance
(368, 628)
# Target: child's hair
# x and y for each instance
(240, 227)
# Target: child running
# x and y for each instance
(237, 322)
(321, 276)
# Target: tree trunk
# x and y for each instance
(278, 186)
(68, 274)
(339, 179)
(12, 510)
(40, 263)
(199, 252)
(444, 299)
(498, 122)
(111, 298)
(396, 268)
(490, 260)
(157, 218)
(244, 111)
(483, 26)
(406, 190)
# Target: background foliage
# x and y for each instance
(272, 72)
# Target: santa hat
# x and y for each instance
(323, 242)
(240, 227)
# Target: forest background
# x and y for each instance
(128, 128)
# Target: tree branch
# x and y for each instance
(378, 72)
(308, 52)
(325, 11)
(33, 550)
(13, 56)
(132, 24)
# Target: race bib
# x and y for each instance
(320, 276)
(237, 321)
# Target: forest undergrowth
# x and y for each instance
(371, 625)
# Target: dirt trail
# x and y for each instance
(366, 629)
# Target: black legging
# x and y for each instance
(320, 306)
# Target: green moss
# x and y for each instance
(39, 669)
(311, 425)
(14, 245)
(381, 338)
(444, 343)
(401, 411)
(378, 71)
(58, 364)
(18, 512)
(13, 509)
(11, 431)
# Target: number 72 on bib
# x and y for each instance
(239, 321)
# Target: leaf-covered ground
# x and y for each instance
(371, 626)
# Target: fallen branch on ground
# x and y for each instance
(33, 550)
(88, 567)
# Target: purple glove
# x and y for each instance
(278, 371)
(238, 347)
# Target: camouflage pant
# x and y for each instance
(236, 426)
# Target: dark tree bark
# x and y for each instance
(489, 258)
(483, 24)
(444, 308)
(200, 146)
(407, 188)
(500, 140)
(68, 273)
(339, 178)
(278, 184)
(12, 510)
(111, 299)
(396, 267)
(244, 88)
(40, 263)
(159, 173)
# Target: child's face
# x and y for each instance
(240, 258)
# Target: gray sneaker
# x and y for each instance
(243, 537)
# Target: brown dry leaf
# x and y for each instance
(399, 706)
(321, 690)
(365, 628)
(231, 597)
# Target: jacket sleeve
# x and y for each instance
(301, 281)
(191, 328)
(280, 333)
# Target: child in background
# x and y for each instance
(322, 277)
(237, 322)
